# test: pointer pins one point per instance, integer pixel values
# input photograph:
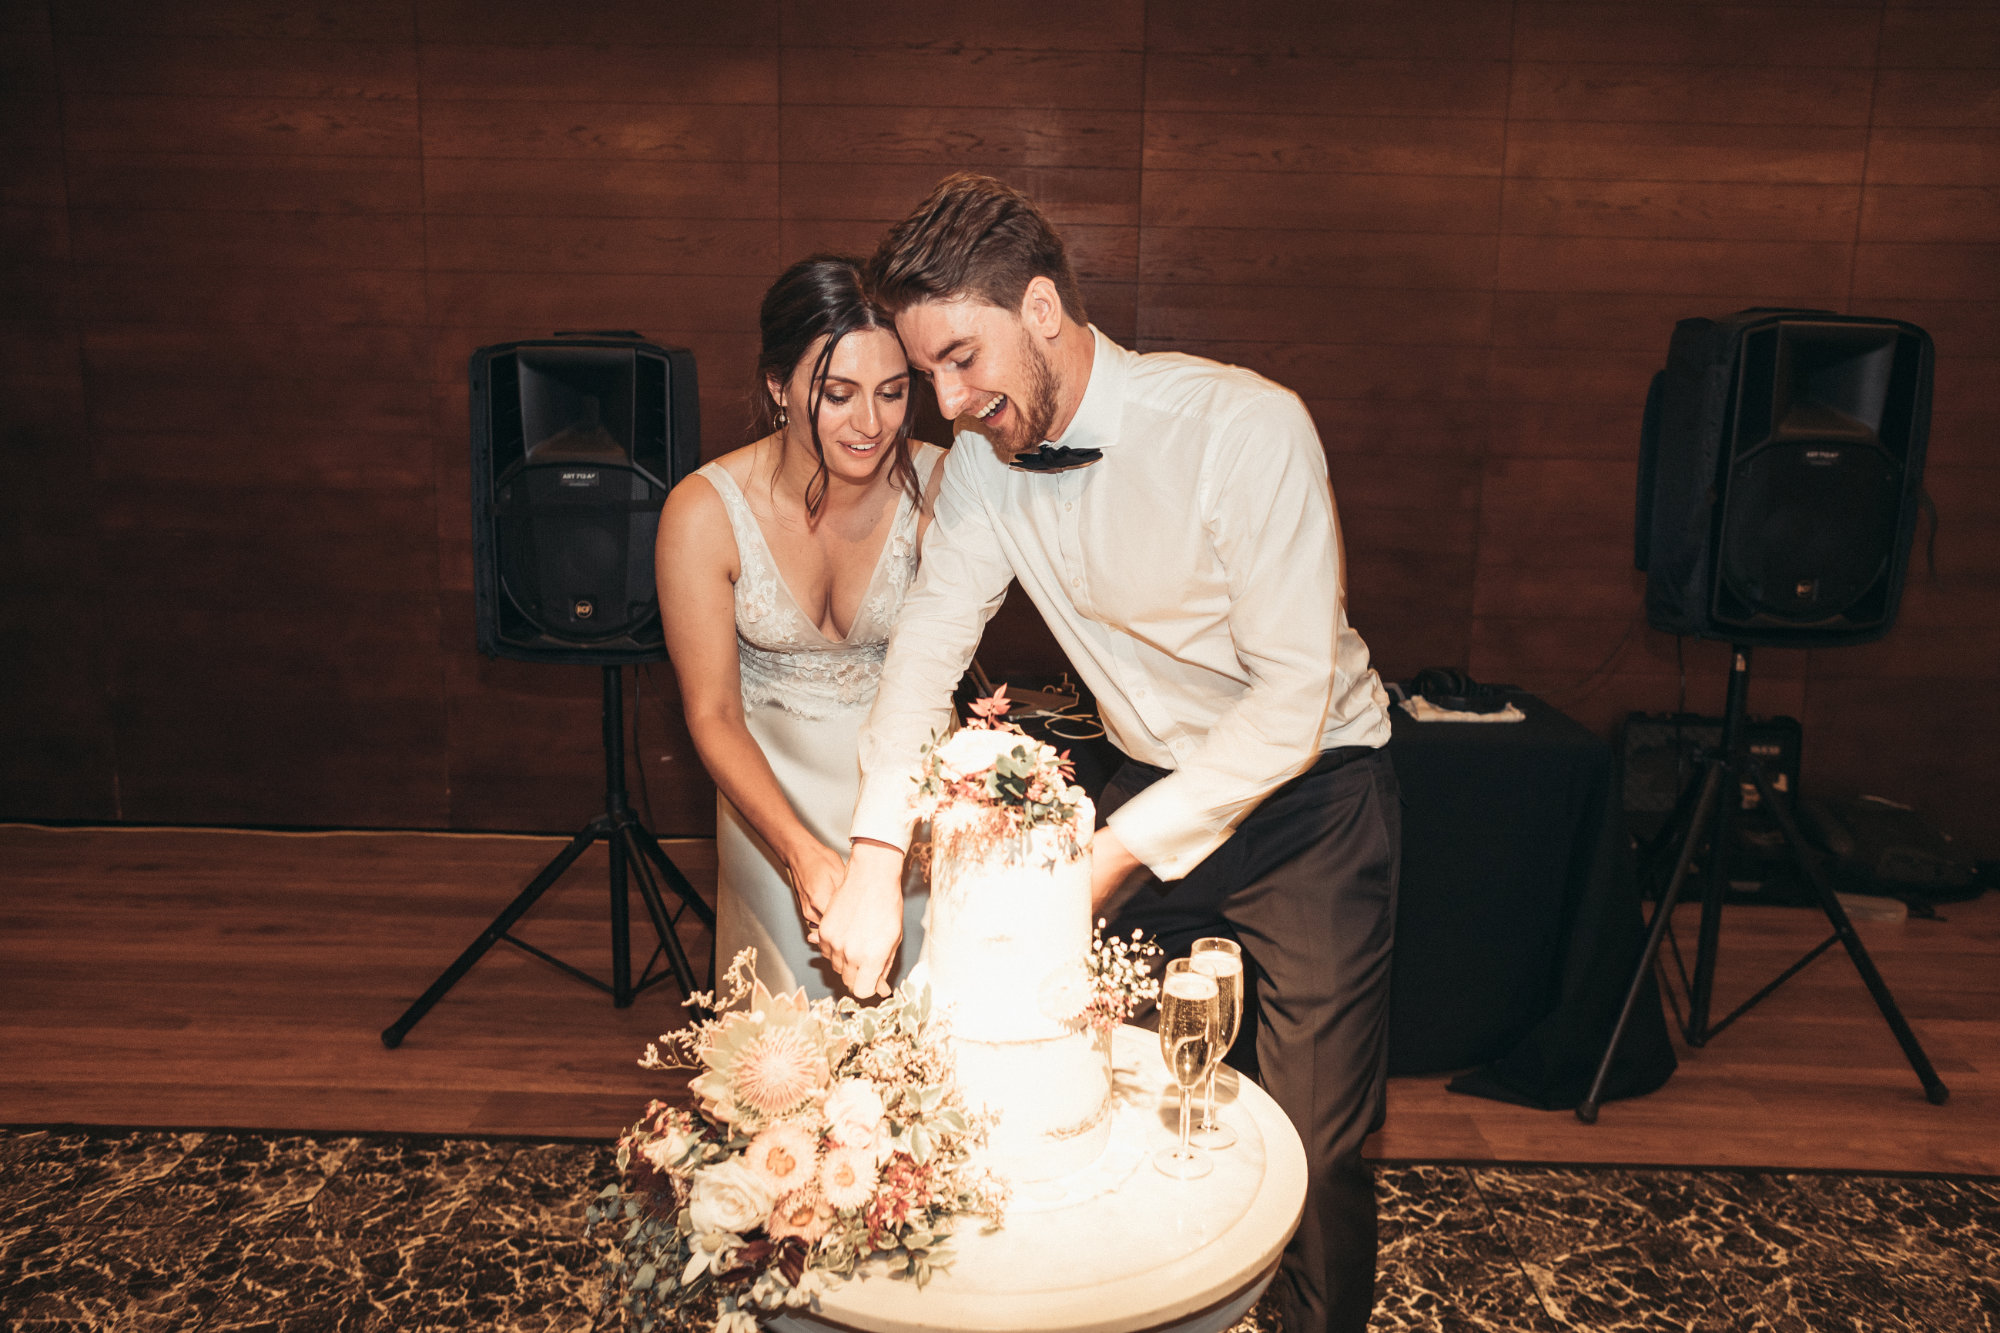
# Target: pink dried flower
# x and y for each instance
(804, 1213)
(905, 1187)
(784, 1156)
(847, 1177)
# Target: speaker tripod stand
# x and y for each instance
(1709, 807)
(630, 846)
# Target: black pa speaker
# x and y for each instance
(1780, 472)
(576, 440)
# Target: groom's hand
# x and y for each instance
(864, 924)
(1113, 869)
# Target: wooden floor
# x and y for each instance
(236, 979)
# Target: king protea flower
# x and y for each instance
(764, 1061)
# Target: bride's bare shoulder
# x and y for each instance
(742, 463)
(695, 518)
(696, 494)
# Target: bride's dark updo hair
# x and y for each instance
(819, 297)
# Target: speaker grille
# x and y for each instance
(573, 542)
(1808, 532)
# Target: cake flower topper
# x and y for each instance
(1011, 781)
(992, 708)
(825, 1136)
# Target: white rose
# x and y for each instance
(664, 1151)
(854, 1112)
(728, 1197)
(973, 749)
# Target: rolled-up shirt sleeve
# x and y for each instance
(1269, 516)
(962, 577)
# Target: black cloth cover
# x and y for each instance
(1520, 921)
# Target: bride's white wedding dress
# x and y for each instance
(805, 697)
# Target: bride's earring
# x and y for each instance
(782, 415)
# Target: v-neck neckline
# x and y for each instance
(778, 571)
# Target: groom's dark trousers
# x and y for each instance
(1307, 884)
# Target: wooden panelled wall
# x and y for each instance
(249, 245)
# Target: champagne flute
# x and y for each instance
(1189, 1020)
(1222, 959)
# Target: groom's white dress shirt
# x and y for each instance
(1193, 575)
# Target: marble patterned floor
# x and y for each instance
(201, 1232)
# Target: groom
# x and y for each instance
(1180, 540)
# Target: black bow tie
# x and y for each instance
(1049, 458)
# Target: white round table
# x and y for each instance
(1119, 1249)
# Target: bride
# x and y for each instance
(781, 567)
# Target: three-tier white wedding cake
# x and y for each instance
(1007, 950)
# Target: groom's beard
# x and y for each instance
(1037, 408)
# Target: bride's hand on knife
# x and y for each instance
(815, 871)
(864, 923)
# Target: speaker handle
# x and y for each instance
(1927, 507)
(1649, 448)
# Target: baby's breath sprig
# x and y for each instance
(1122, 977)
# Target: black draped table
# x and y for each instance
(1519, 921)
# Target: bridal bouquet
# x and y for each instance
(990, 780)
(827, 1135)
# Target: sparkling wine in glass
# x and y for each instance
(1222, 959)
(1189, 1027)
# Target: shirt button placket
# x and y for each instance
(1072, 544)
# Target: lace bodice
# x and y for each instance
(784, 657)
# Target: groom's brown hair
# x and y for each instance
(975, 236)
